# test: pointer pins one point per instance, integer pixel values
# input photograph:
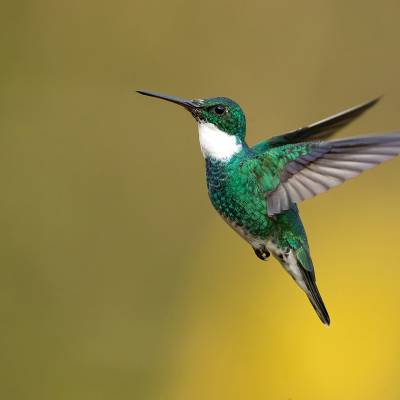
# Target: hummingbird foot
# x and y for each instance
(262, 253)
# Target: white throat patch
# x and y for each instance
(217, 144)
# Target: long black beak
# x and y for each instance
(188, 104)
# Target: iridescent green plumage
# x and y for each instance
(237, 191)
(256, 190)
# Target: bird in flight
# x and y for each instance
(256, 189)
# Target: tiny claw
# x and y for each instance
(262, 253)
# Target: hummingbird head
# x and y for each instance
(221, 122)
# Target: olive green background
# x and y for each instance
(117, 279)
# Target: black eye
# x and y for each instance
(219, 110)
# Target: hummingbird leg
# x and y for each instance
(262, 253)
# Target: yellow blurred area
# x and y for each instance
(117, 279)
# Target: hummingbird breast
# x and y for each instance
(238, 199)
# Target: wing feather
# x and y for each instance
(328, 164)
(318, 130)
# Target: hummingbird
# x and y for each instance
(256, 189)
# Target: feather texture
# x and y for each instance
(322, 129)
(327, 164)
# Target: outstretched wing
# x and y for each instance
(318, 130)
(307, 169)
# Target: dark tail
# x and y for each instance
(315, 298)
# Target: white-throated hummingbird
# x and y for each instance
(256, 189)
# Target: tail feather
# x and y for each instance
(315, 297)
(291, 249)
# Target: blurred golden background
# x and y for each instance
(118, 280)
